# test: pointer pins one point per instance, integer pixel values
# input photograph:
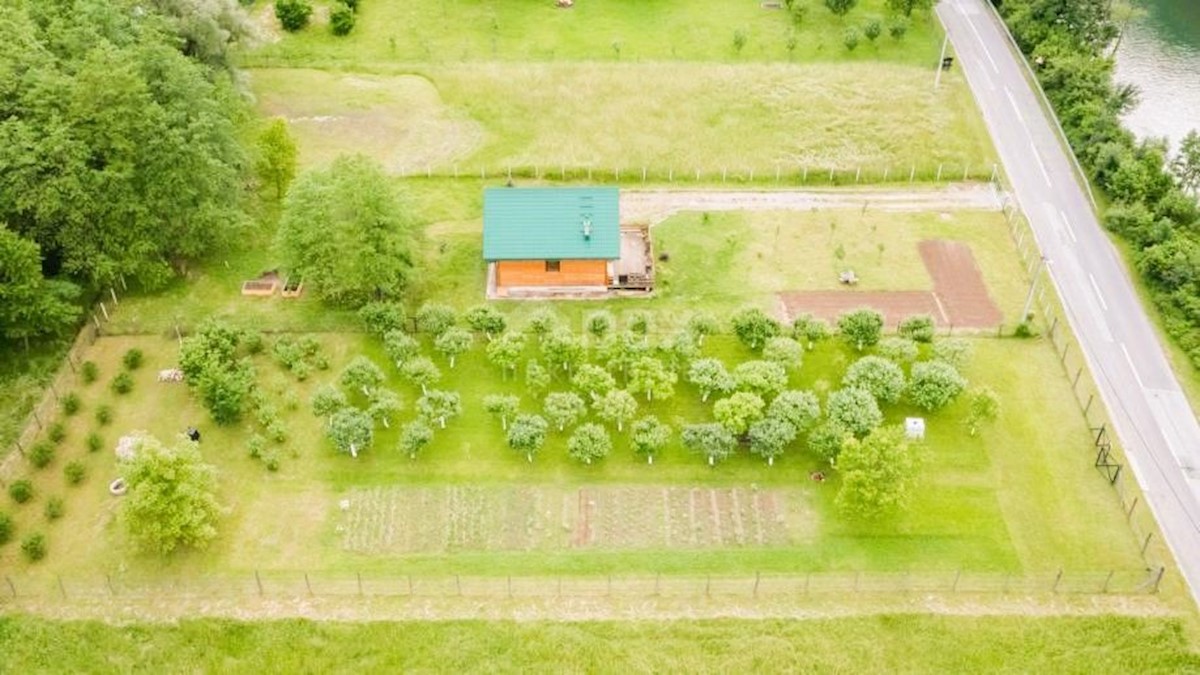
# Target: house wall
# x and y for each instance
(533, 273)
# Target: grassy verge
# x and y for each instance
(883, 644)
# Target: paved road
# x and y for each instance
(1151, 416)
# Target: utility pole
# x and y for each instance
(941, 59)
(1033, 287)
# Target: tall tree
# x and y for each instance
(276, 156)
(711, 440)
(710, 376)
(351, 430)
(878, 474)
(1186, 164)
(616, 406)
(564, 408)
(589, 442)
(171, 502)
(30, 305)
(527, 434)
(345, 231)
(649, 436)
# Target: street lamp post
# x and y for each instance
(1033, 287)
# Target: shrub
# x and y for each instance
(861, 328)
(381, 318)
(254, 342)
(808, 329)
(71, 404)
(873, 29)
(753, 327)
(104, 415)
(850, 38)
(954, 351)
(56, 433)
(293, 15)
(739, 40)
(75, 472)
(54, 508)
(34, 547)
(897, 29)
(21, 491)
(271, 460)
(917, 328)
(6, 528)
(341, 19)
(840, 7)
(132, 359)
(122, 384)
(277, 432)
(41, 454)
(1025, 329)
(94, 442)
(256, 445)
(90, 372)
(934, 384)
(898, 349)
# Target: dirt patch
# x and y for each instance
(959, 298)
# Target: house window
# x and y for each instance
(553, 265)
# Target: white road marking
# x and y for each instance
(1016, 109)
(1067, 222)
(1039, 163)
(982, 44)
(1134, 370)
(1099, 295)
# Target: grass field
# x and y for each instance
(685, 117)
(871, 644)
(702, 30)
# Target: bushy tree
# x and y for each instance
(850, 38)
(452, 342)
(800, 409)
(592, 381)
(621, 351)
(537, 379)
(361, 374)
(351, 430)
(385, 404)
(328, 399)
(919, 328)
(753, 327)
(934, 384)
(765, 378)
(527, 435)
(31, 306)
(1186, 164)
(701, 325)
(854, 410)
(341, 19)
(710, 376)
(650, 377)
(215, 367)
(640, 322)
(400, 347)
(589, 442)
(649, 436)
(293, 15)
(439, 405)
(877, 375)
(505, 351)
(435, 318)
(616, 406)
(711, 440)
(784, 351)
(861, 328)
(810, 330)
(599, 324)
(826, 440)
(955, 351)
(738, 412)
(415, 437)
(906, 7)
(421, 372)
(487, 320)
(878, 474)
(898, 349)
(985, 407)
(873, 29)
(769, 436)
(562, 350)
(543, 322)
(382, 318)
(564, 408)
(276, 163)
(501, 406)
(171, 501)
(840, 7)
(679, 349)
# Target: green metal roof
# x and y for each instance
(550, 224)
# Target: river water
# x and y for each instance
(1160, 53)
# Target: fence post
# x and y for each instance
(61, 588)
(307, 583)
(993, 178)
(722, 174)
(1158, 579)
(776, 173)
(912, 173)
(11, 587)
(358, 575)
(756, 580)
(1089, 405)
(751, 179)
(1066, 347)
(1146, 544)
(957, 575)
(671, 175)
(857, 174)
(1106, 580)
(643, 174)
(108, 580)
(831, 176)
(104, 310)
(258, 580)
(113, 293)
(886, 170)
(966, 172)
(804, 178)
(1129, 513)
(1057, 579)
(939, 174)
(1077, 374)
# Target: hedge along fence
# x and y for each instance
(1107, 455)
(764, 175)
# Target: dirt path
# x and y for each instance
(654, 206)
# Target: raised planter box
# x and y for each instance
(259, 287)
(292, 290)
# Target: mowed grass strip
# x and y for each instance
(608, 117)
(605, 30)
(869, 644)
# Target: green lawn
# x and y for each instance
(870, 644)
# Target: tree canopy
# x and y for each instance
(172, 500)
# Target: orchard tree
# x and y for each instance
(765, 378)
(702, 325)
(616, 406)
(385, 404)
(326, 400)
(769, 436)
(918, 328)
(501, 405)
(562, 350)
(505, 351)
(649, 436)
(345, 232)
(810, 330)
(487, 320)
(898, 349)
(293, 15)
(362, 374)
(621, 351)
(564, 408)
(840, 7)
(589, 442)
(351, 430)
(985, 407)
(878, 474)
(31, 306)
(827, 439)
(711, 440)
(435, 318)
(738, 412)
(171, 501)
(934, 384)
(854, 410)
(753, 327)
(439, 405)
(955, 351)
(527, 435)
(422, 372)
(414, 437)
(537, 378)
(593, 381)
(710, 376)
(800, 409)
(214, 364)
(599, 324)
(650, 377)
(640, 323)
(906, 7)
(679, 349)
(382, 317)
(276, 164)
(861, 328)
(400, 347)
(883, 378)
(452, 342)
(543, 322)
(784, 351)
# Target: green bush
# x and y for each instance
(90, 372)
(133, 359)
(56, 432)
(104, 415)
(6, 528)
(341, 19)
(122, 384)
(254, 342)
(34, 547)
(1025, 329)
(897, 29)
(271, 460)
(850, 38)
(293, 15)
(41, 454)
(54, 508)
(71, 404)
(873, 29)
(21, 491)
(94, 442)
(256, 445)
(919, 328)
(75, 472)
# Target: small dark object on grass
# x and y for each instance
(664, 256)
(104, 415)
(132, 359)
(90, 372)
(818, 476)
(54, 508)
(94, 442)
(193, 434)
